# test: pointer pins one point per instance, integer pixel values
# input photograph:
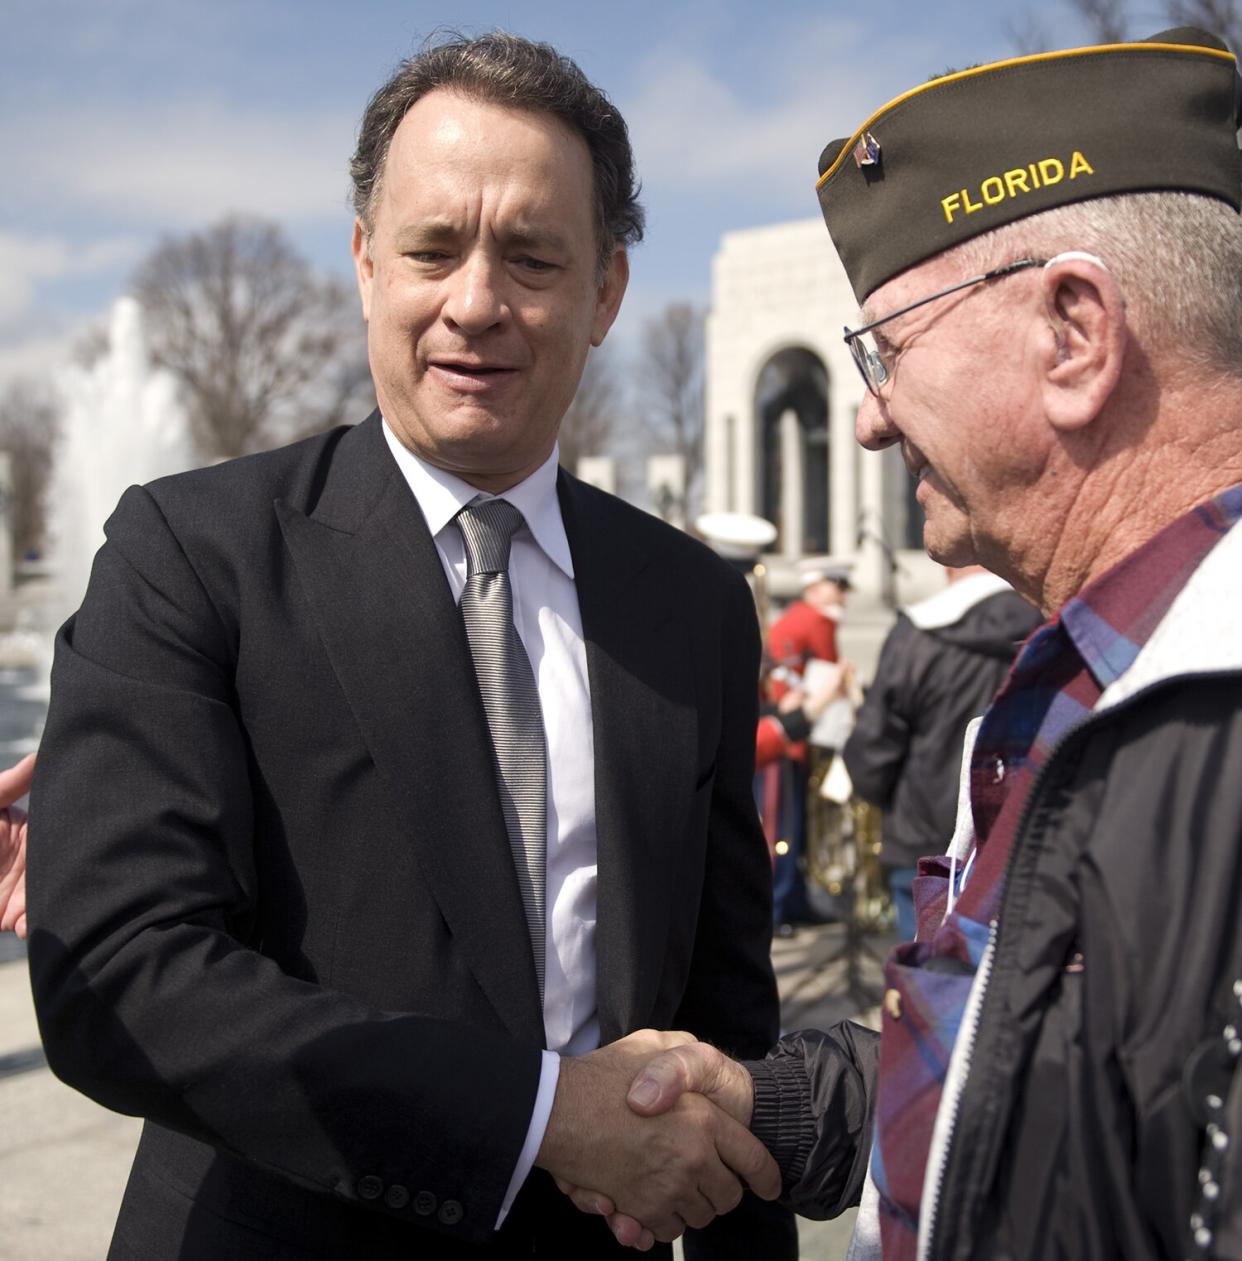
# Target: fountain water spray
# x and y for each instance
(122, 424)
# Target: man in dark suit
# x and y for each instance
(283, 901)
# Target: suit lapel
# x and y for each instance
(386, 615)
(644, 726)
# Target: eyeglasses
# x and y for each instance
(863, 347)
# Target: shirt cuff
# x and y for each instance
(549, 1075)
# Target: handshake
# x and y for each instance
(651, 1132)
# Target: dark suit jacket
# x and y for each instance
(273, 905)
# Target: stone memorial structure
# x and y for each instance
(782, 394)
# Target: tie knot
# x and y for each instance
(487, 527)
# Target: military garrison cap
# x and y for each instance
(826, 569)
(979, 148)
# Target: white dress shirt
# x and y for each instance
(545, 612)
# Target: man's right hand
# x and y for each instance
(14, 783)
(681, 1165)
(692, 1067)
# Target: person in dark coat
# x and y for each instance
(1049, 331)
(939, 667)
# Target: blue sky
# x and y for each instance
(124, 120)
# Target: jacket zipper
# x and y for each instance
(988, 1141)
(938, 1154)
(983, 979)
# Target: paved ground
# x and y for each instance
(63, 1159)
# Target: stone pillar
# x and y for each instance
(599, 471)
(872, 574)
(746, 438)
(793, 510)
(843, 499)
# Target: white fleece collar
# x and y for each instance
(1202, 631)
(948, 607)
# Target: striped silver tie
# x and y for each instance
(510, 698)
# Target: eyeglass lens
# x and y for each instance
(867, 358)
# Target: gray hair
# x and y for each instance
(507, 70)
(1177, 257)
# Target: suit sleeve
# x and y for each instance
(731, 999)
(153, 996)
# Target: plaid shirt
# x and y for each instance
(1055, 683)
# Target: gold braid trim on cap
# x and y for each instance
(848, 147)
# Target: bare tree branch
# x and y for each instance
(91, 346)
(1105, 19)
(1027, 34)
(590, 424)
(671, 373)
(264, 349)
(1107, 22)
(1221, 17)
(29, 422)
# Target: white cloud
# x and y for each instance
(29, 258)
(186, 164)
(693, 128)
(44, 357)
(690, 128)
(23, 261)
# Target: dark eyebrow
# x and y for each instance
(534, 239)
(431, 232)
(425, 232)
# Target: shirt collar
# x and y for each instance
(1112, 618)
(442, 495)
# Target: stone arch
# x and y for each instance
(793, 448)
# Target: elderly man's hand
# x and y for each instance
(692, 1067)
(14, 783)
(682, 1165)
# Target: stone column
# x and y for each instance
(793, 510)
(871, 573)
(599, 471)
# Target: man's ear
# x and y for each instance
(1087, 337)
(364, 268)
(608, 297)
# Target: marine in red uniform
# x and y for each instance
(806, 629)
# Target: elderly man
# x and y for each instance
(1049, 255)
(389, 775)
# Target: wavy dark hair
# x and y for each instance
(508, 70)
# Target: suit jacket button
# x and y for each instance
(370, 1187)
(451, 1212)
(396, 1196)
(424, 1204)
